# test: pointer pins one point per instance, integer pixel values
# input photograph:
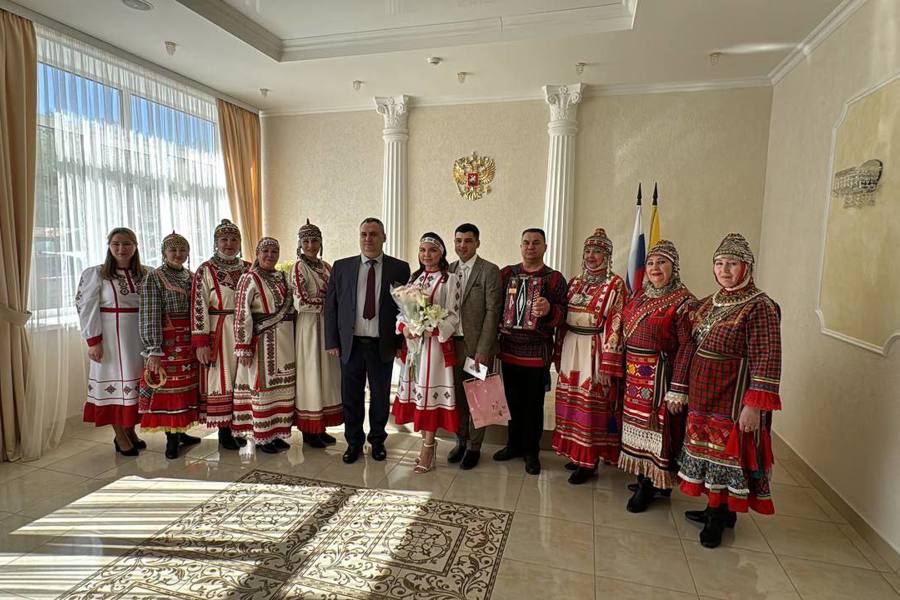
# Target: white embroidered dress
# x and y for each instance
(108, 314)
(425, 395)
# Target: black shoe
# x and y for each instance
(507, 453)
(139, 443)
(313, 440)
(711, 535)
(268, 448)
(457, 453)
(133, 451)
(280, 444)
(702, 516)
(470, 460)
(226, 439)
(571, 466)
(351, 454)
(533, 464)
(172, 445)
(581, 475)
(188, 440)
(328, 440)
(379, 452)
(642, 497)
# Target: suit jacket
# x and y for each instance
(340, 306)
(480, 309)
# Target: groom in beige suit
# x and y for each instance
(477, 335)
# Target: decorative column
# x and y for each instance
(558, 201)
(396, 134)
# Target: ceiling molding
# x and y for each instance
(804, 49)
(612, 15)
(590, 92)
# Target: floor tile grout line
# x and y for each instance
(687, 561)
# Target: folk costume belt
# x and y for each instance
(584, 330)
(221, 311)
(104, 309)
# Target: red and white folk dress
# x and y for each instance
(108, 314)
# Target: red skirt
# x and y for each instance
(173, 407)
(111, 414)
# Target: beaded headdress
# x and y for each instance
(267, 242)
(599, 239)
(175, 240)
(432, 240)
(736, 246)
(226, 227)
(309, 232)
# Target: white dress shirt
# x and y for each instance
(367, 327)
(464, 269)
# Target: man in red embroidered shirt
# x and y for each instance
(534, 304)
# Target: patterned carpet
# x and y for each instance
(271, 535)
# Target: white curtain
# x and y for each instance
(117, 145)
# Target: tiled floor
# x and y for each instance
(80, 506)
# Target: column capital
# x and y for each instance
(563, 100)
(394, 109)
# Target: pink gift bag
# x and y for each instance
(487, 401)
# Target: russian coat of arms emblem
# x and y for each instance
(473, 175)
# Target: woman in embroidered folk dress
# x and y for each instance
(658, 349)
(264, 344)
(318, 401)
(212, 330)
(733, 387)
(107, 300)
(425, 395)
(589, 362)
(169, 396)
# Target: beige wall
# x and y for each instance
(842, 406)
(707, 150)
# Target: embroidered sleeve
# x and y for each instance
(764, 350)
(150, 316)
(87, 303)
(612, 358)
(452, 293)
(684, 353)
(243, 316)
(200, 292)
(304, 301)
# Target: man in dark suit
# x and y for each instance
(360, 322)
(479, 314)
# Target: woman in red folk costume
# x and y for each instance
(212, 330)
(589, 362)
(733, 387)
(169, 388)
(658, 349)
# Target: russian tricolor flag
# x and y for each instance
(634, 278)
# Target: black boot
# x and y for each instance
(532, 463)
(313, 440)
(280, 444)
(711, 535)
(226, 439)
(328, 440)
(457, 453)
(581, 475)
(268, 448)
(642, 497)
(571, 466)
(171, 445)
(702, 516)
(507, 453)
(188, 440)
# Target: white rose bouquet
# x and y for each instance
(419, 314)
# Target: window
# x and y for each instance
(117, 145)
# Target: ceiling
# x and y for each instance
(308, 52)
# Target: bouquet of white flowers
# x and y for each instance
(419, 314)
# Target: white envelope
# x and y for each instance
(473, 368)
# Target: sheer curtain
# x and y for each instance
(117, 145)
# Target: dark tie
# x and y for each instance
(369, 309)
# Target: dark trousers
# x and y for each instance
(525, 388)
(365, 363)
(468, 435)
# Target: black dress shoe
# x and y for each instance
(457, 453)
(711, 535)
(351, 454)
(268, 448)
(571, 466)
(133, 451)
(313, 440)
(139, 443)
(327, 439)
(581, 475)
(188, 440)
(379, 452)
(642, 497)
(470, 460)
(507, 453)
(702, 516)
(172, 440)
(226, 439)
(533, 464)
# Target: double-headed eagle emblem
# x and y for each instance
(473, 175)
